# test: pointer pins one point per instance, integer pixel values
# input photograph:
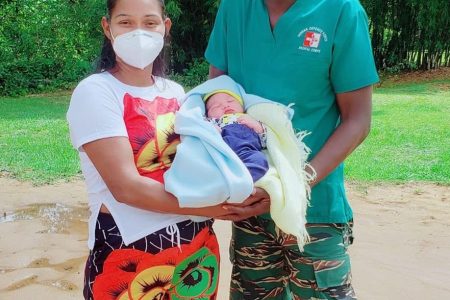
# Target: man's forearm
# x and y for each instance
(341, 144)
(356, 110)
(215, 72)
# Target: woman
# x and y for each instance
(121, 122)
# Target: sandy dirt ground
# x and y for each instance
(401, 249)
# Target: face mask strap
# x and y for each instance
(110, 32)
(109, 24)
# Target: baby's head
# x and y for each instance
(221, 103)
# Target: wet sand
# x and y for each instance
(401, 250)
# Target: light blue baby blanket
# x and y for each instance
(205, 170)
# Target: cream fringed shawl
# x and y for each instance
(286, 181)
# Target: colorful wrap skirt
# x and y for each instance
(178, 262)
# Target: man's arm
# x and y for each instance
(215, 72)
(356, 111)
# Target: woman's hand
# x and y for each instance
(257, 204)
(214, 212)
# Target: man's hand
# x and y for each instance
(251, 123)
(257, 204)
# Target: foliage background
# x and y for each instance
(51, 44)
(46, 44)
(409, 34)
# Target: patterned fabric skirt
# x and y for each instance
(177, 262)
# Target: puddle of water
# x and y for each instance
(61, 284)
(66, 266)
(4, 270)
(22, 283)
(13, 217)
(56, 217)
(33, 279)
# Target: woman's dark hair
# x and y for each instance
(107, 59)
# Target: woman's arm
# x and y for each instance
(113, 159)
(356, 110)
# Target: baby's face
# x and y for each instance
(222, 103)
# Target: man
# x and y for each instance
(316, 54)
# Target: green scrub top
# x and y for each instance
(315, 50)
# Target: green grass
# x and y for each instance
(409, 141)
(34, 139)
(410, 136)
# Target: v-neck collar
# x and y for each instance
(268, 26)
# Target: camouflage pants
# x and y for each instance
(267, 263)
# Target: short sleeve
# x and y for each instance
(216, 51)
(353, 65)
(94, 113)
(178, 91)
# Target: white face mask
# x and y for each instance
(138, 48)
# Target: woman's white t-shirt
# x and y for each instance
(101, 106)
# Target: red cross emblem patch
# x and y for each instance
(312, 39)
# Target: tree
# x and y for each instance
(52, 44)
